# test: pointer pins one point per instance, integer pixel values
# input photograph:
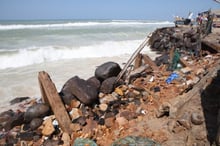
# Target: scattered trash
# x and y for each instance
(172, 77)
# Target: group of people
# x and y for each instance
(203, 20)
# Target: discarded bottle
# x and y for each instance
(172, 77)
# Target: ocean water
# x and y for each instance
(64, 48)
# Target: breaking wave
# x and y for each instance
(80, 24)
(35, 55)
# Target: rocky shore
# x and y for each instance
(170, 101)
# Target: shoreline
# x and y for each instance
(27, 84)
(148, 104)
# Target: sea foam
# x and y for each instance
(35, 54)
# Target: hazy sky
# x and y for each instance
(102, 9)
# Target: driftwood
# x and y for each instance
(138, 61)
(174, 105)
(183, 62)
(148, 61)
(50, 95)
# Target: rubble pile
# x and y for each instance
(186, 38)
(139, 109)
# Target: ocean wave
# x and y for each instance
(36, 55)
(80, 24)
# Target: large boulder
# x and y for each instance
(38, 110)
(10, 119)
(108, 85)
(66, 96)
(86, 92)
(5, 117)
(107, 70)
(94, 81)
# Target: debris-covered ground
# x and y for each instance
(172, 103)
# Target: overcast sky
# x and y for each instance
(102, 9)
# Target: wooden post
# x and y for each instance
(138, 61)
(148, 61)
(49, 94)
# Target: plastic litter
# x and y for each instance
(172, 77)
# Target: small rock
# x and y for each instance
(121, 121)
(50, 142)
(48, 128)
(196, 119)
(101, 95)
(103, 107)
(128, 115)
(109, 122)
(109, 115)
(107, 99)
(81, 120)
(119, 91)
(66, 139)
(75, 113)
(157, 89)
(35, 123)
(75, 127)
(74, 103)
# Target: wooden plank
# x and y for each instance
(148, 61)
(212, 41)
(43, 94)
(183, 62)
(50, 95)
(138, 61)
(212, 45)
